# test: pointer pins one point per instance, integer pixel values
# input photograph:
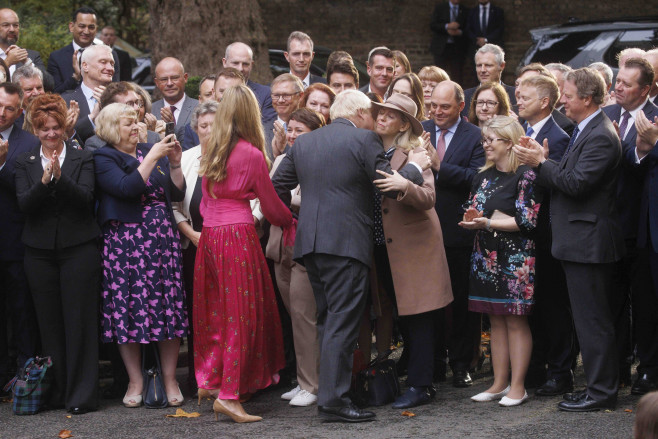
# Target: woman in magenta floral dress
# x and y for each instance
(238, 346)
(503, 208)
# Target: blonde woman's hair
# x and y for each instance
(237, 117)
(406, 140)
(108, 121)
(509, 129)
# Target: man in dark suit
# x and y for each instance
(97, 67)
(489, 66)
(587, 238)
(206, 93)
(300, 56)
(346, 155)
(652, 57)
(287, 91)
(632, 277)
(485, 24)
(449, 43)
(30, 80)
(240, 56)
(13, 55)
(457, 155)
(15, 299)
(551, 323)
(381, 68)
(342, 75)
(175, 106)
(125, 69)
(644, 161)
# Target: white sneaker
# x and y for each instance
(303, 399)
(291, 394)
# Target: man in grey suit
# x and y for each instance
(335, 166)
(587, 238)
(175, 106)
(97, 68)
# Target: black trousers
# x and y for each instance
(339, 286)
(452, 61)
(419, 332)
(65, 288)
(625, 280)
(589, 289)
(15, 305)
(458, 329)
(645, 311)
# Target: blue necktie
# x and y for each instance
(572, 140)
(529, 131)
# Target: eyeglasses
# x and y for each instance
(135, 104)
(490, 140)
(284, 96)
(486, 103)
(169, 78)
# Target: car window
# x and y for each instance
(562, 47)
(643, 38)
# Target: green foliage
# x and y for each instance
(192, 86)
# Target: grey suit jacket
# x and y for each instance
(584, 184)
(189, 104)
(335, 167)
(83, 127)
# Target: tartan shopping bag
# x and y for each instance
(31, 386)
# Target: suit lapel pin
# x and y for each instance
(31, 157)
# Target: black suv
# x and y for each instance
(580, 43)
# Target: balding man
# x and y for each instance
(109, 37)
(97, 69)
(240, 56)
(175, 106)
(13, 55)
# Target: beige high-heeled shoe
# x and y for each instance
(218, 407)
(207, 393)
(175, 400)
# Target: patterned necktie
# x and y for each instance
(624, 124)
(173, 110)
(441, 145)
(572, 140)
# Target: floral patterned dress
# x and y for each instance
(503, 263)
(142, 289)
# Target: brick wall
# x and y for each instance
(359, 25)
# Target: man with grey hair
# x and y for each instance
(628, 53)
(300, 55)
(97, 70)
(489, 66)
(335, 167)
(606, 73)
(587, 238)
(559, 70)
(240, 56)
(30, 79)
(652, 57)
(287, 90)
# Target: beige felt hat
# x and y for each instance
(404, 104)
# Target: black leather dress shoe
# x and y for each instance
(644, 384)
(80, 410)
(413, 397)
(554, 387)
(348, 413)
(461, 378)
(575, 396)
(587, 404)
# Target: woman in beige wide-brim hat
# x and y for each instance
(409, 254)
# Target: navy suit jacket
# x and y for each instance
(84, 129)
(462, 161)
(558, 140)
(468, 96)
(183, 118)
(629, 183)
(12, 219)
(60, 66)
(125, 68)
(190, 138)
(563, 122)
(441, 17)
(648, 212)
(120, 185)
(495, 25)
(264, 98)
(315, 79)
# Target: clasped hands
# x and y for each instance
(647, 134)
(395, 181)
(473, 220)
(530, 152)
(15, 55)
(52, 171)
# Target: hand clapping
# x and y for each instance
(530, 152)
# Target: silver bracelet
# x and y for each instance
(488, 224)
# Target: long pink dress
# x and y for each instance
(238, 345)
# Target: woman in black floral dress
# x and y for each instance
(503, 208)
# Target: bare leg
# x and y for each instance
(499, 353)
(168, 359)
(132, 359)
(520, 348)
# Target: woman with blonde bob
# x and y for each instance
(503, 208)
(237, 331)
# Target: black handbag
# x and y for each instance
(377, 384)
(154, 394)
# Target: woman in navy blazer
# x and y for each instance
(55, 190)
(142, 287)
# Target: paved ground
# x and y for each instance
(451, 415)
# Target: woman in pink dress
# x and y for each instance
(238, 345)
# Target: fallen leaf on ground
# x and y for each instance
(68, 416)
(628, 411)
(410, 414)
(65, 434)
(180, 413)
